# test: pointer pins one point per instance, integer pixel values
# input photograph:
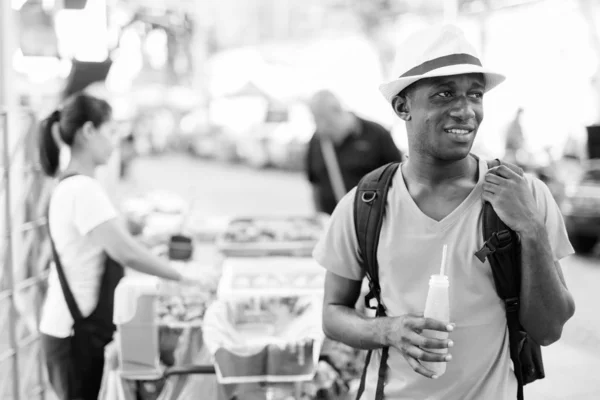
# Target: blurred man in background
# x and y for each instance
(515, 140)
(343, 149)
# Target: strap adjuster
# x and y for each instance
(512, 304)
(374, 294)
(487, 249)
(368, 298)
(497, 241)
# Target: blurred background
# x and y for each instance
(211, 100)
(175, 71)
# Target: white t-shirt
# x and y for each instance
(409, 252)
(78, 205)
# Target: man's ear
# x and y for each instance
(401, 108)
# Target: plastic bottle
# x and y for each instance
(437, 307)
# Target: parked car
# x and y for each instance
(581, 209)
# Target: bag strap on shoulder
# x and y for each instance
(369, 210)
(502, 249)
(62, 278)
(497, 236)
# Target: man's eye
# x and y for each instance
(446, 93)
(476, 95)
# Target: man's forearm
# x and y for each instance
(546, 304)
(345, 325)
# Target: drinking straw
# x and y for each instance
(444, 252)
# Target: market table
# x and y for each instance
(189, 349)
(182, 343)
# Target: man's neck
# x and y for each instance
(429, 172)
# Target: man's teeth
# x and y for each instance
(458, 131)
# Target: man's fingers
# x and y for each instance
(490, 197)
(424, 355)
(493, 179)
(430, 343)
(432, 324)
(418, 368)
(490, 188)
(504, 172)
(412, 320)
(435, 357)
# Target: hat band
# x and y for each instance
(440, 62)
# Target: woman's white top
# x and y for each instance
(78, 205)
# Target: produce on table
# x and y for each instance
(263, 280)
(173, 310)
(289, 229)
(180, 304)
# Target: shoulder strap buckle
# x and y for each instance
(496, 242)
(488, 249)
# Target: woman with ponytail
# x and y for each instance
(90, 244)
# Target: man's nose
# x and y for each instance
(462, 109)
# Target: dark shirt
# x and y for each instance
(360, 153)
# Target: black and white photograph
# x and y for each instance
(299, 199)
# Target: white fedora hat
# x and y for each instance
(436, 52)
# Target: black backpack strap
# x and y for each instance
(369, 210)
(62, 278)
(496, 234)
(69, 298)
(502, 249)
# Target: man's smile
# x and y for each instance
(460, 133)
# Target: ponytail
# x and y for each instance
(49, 146)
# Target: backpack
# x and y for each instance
(501, 248)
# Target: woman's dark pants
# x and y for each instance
(72, 376)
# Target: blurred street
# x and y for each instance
(220, 189)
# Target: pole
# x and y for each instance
(8, 264)
(7, 100)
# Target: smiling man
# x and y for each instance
(436, 197)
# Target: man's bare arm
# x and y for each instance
(546, 303)
(343, 323)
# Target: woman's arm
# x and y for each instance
(124, 248)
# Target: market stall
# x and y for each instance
(252, 330)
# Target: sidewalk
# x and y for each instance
(571, 373)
